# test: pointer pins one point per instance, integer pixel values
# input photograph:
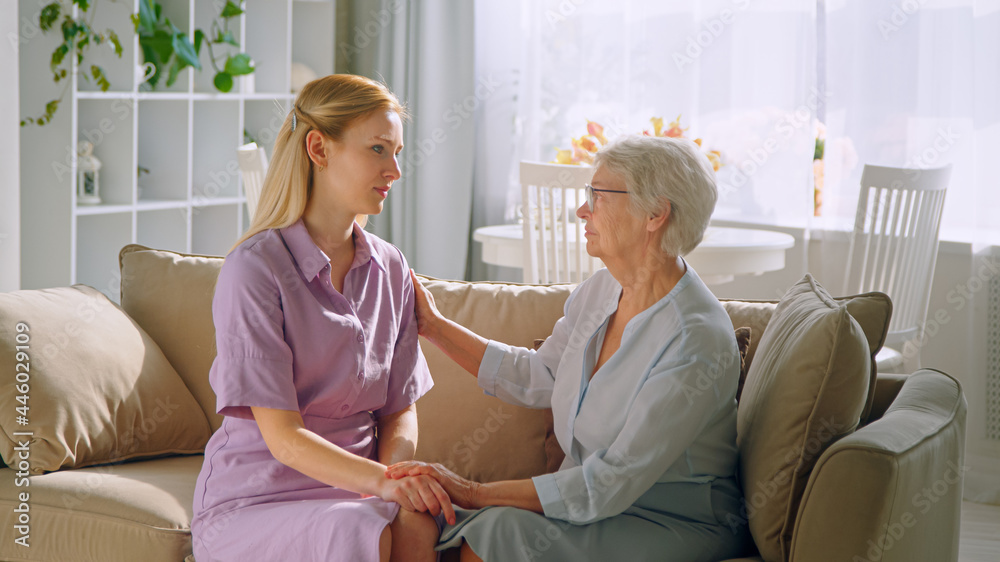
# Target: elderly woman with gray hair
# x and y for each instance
(641, 375)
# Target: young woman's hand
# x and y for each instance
(419, 493)
(463, 492)
(424, 307)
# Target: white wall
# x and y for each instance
(10, 141)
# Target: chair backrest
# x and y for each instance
(894, 245)
(253, 167)
(555, 247)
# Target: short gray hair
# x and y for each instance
(661, 169)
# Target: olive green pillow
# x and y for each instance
(806, 387)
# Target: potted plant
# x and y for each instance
(163, 45)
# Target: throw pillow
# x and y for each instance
(871, 310)
(98, 389)
(743, 345)
(170, 295)
(807, 387)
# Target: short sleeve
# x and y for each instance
(409, 376)
(253, 364)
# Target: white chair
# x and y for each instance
(253, 167)
(550, 195)
(894, 247)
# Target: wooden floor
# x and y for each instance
(980, 541)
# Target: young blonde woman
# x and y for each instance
(318, 366)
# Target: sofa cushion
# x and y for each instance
(476, 435)
(871, 310)
(743, 341)
(807, 386)
(113, 513)
(170, 296)
(99, 389)
(750, 314)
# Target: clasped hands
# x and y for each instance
(420, 486)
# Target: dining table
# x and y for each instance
(724, 253)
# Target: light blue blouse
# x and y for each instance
(661, 410)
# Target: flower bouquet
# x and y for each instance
(584, 147)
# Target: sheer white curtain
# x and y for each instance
(897, 82)
(424, 52)
(740, 74)
(917, 84)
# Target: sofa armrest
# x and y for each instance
(891, 491)
(887, 387)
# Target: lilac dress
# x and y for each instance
(288, 340)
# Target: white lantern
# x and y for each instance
(88, 175)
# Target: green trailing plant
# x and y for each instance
(78, 36)
(167, 47)
(162, 44)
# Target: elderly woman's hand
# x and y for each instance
(463, 492)
(424, 307)
(420, 493)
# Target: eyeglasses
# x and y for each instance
(589, 190)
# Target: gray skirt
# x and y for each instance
(674, 521)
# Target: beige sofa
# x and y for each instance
(833, 466)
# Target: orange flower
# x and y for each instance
(674, 129)
(715, 157)
(580, 153)
(584, 148)
(597, 131)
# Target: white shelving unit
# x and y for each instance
(191, 200)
